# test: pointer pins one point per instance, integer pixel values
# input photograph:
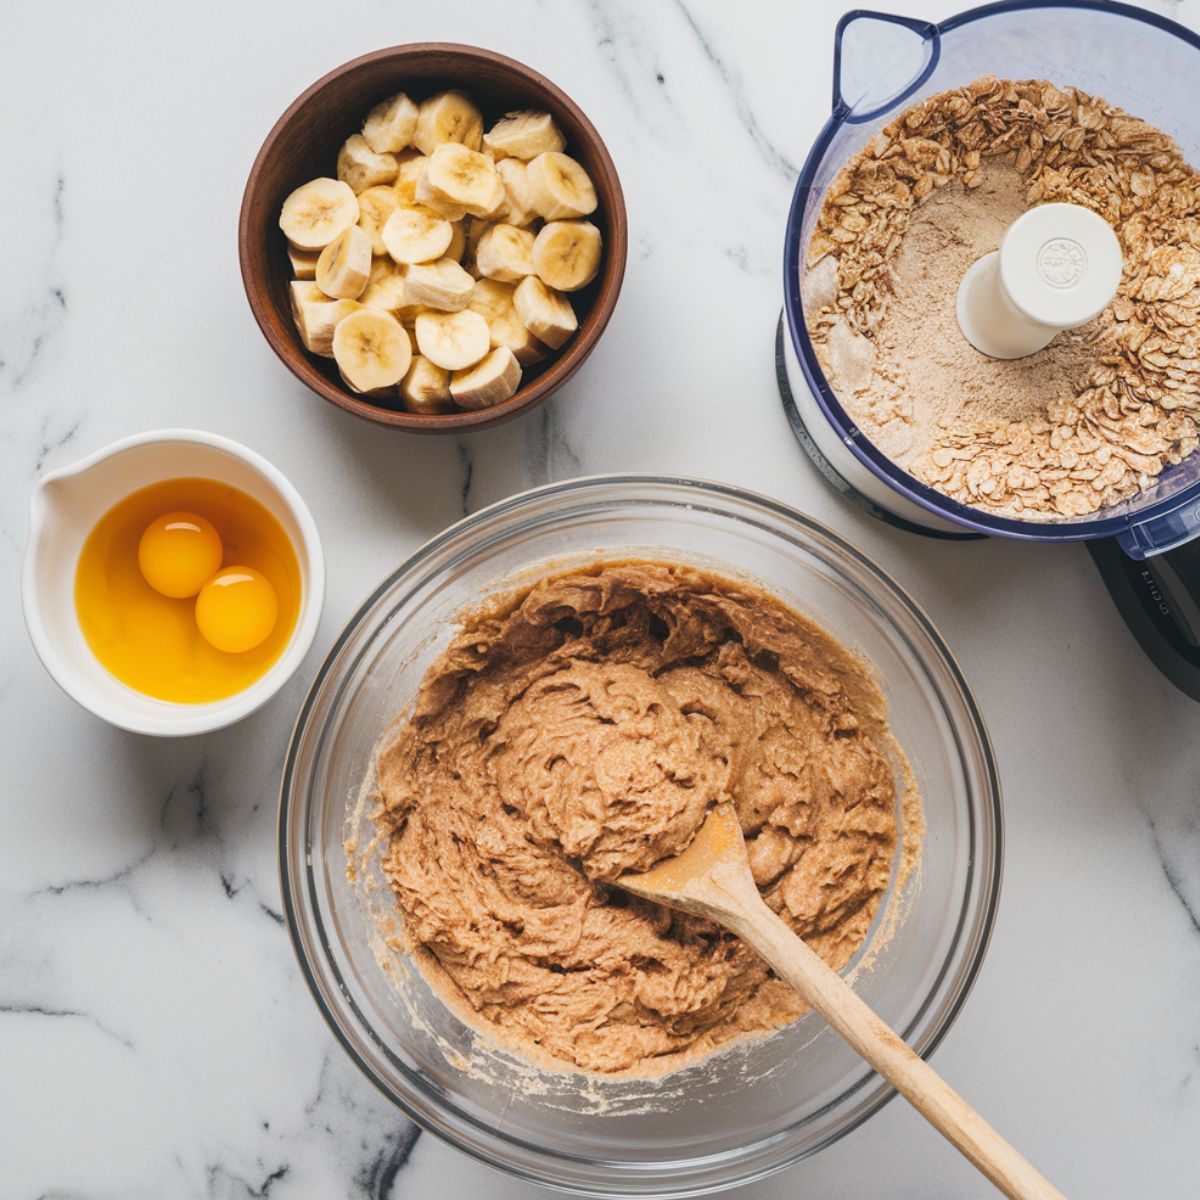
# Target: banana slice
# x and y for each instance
(560, 187)
(317, 316)
(524, 134)
(385, 288)
(507, 329)
(493, 301)
(545, 313)
(490, 298)
(453, 340)
(372, 351)
(494, 379)
(448, 117)
(375, 205)
(412, 236)
(313, 215)
(442, 285)
(433, 200)
(345, 265)
(426, 387)
(518, 207)
(411, 165)
(304, 262)
(390, 125)
(360, 167)
(566, 254)
(505, 252)
(458, 241)
(461, 178)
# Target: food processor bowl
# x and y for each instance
(756, 1106)
(883, 64)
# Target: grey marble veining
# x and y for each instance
(156, 1037)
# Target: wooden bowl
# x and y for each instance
(304, 144)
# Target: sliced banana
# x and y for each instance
(507, 329)
(360, 167)
(410, 168)
(372, 351)
(524, 134)
(560, 187)
(375, 205)
(304, 262)
(390, 125)
(442, 285)
(313, 215)
(433, 200)
(505, 252)
(461, 178)
(345, 265)
(491, 381)
(385, 288)
(316, 316)
(490, 297)
(435, 229)
(493, 300)
(518, 207)
(566, 254)
(454, 341)
(448, 117)
(426, 386)
(545, 313)
(412, 236)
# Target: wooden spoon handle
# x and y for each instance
(826, 991)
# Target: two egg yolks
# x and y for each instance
(160, 611)
(180, 555)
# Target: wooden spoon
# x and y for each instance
(712, 879)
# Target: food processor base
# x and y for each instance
(1154, 596)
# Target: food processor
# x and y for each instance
(1146, 547)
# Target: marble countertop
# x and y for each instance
(156, 1039)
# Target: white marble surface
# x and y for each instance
(156, 1039)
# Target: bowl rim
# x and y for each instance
(181, 720)
(252, 258)
(433, 1117)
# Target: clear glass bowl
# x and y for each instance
(742, 1113)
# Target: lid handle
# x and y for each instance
(879, 60)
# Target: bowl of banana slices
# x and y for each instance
(433, 237)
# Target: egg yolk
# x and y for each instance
(236, 609)
(178, 553)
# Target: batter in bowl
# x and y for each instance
(582, 727)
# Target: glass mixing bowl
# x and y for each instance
(756, 1106)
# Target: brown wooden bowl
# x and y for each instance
(304, 144)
